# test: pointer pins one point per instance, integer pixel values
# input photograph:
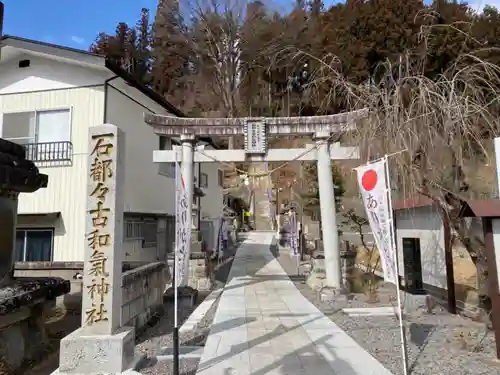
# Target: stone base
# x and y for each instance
(316, 280)
(285, 250)
(82, 353)
(127, 372)
(414, 302)
(318, 265)
(23, 337)
(332, 294)
(187, 296)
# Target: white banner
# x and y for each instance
(374, 188)
(182, 226)
(221, 237)
(294, 234)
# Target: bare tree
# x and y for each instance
(216, 46)
(443, 124)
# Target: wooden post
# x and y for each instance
(493, 288)
(448, 256)
(492, 245)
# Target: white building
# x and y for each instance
(420, 243)
(49, 97)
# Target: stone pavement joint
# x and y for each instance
(263, 325)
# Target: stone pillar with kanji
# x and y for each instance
(101, 345)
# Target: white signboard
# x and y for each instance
(255, 137)
(182, 226)
(372, 180)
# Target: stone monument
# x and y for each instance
(102, 345)
(22, 299)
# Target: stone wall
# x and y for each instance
(67, 270)
(143, 286)
(197, 277)
(142, 297)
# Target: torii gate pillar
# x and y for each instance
(188, 143)
(256, 131)
(328, 212)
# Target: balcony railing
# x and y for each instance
(49, 151)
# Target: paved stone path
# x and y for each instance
(264, 325)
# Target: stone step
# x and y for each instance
(195, 246)
(167, 353)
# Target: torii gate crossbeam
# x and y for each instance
(256, 131)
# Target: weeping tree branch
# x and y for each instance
(446, 123)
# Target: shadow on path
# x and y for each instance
(241, 347)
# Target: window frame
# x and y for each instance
(41, 229)
(35, 130)
(204, 180)
(134, 231)
(220, 178)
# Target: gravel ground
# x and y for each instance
(186, 367)
(160, 335)
(438, 342)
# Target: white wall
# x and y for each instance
(44, 74)
(49, 84)
(146, 191)
(134, 252)
(67, 184)
(423, 223)
(211, 203)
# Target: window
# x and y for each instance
(166, 169)
(34, 245)
(203, 180)
(220, 177)
(133, 230)
(142, 230)
(149, 233)
(46, 134)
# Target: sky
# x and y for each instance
(77, 23)
(69, 23)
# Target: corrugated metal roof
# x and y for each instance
(470, 208)
(412, 202)
(481, 208)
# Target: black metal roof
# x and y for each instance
(117, 70)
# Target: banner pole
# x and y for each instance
(175, 270)
(295, 242)
(220, 237)
(404, 351)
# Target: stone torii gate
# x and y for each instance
(255, 131)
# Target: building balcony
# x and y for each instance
(49, 151)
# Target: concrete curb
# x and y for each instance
(199, 313)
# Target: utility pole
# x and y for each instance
(1, 18)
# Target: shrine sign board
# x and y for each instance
(255, 137)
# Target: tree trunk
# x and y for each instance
(475, 248)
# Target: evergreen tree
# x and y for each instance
(171, 51)
(143, 46)
(128, 47)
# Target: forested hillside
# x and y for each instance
(427, 73)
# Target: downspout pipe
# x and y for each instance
(106, 91)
